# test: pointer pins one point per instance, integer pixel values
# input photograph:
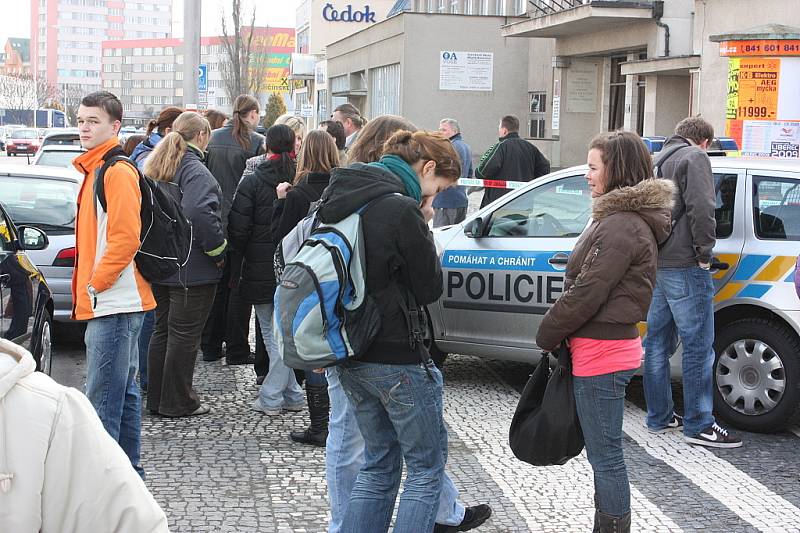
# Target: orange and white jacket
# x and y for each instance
(106, 243)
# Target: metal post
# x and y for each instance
(191, 52)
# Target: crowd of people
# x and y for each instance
(645, 256)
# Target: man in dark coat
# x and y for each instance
(510, 159)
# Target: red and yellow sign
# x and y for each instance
(760, 47)
(752, 92)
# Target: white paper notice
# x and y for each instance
(465, 71)
(766, 138)
(555, 122)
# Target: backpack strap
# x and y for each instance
(112, 157)
(663, 156)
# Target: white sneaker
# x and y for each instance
(261, 409)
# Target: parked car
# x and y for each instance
(22, 141)
(26, 304)
(504, 267)
(45, 197)
(57, 155)
(62, 136)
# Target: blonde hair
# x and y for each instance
(318, 154)
(297, 124)
(163, 162)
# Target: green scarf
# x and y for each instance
(402, 170)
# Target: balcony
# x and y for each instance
(563, 18)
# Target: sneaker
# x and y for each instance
(261, 409)
(715, 437)
(473, 517)
(294, 407)
(675, 423)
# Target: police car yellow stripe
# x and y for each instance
(777, 269)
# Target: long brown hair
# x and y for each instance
(216, 118)
(164, 161)
(243, 105)
(318, 154)
(412, 147)
(164, 120)
(625, 157)
(131, 142)
(369, 144)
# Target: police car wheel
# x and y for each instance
(757, 375)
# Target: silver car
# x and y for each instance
(45, 197)
(504, 267)
(57, 155)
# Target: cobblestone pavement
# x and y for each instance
(236, 470)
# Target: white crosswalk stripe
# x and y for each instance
(743, 495)
(552, 499)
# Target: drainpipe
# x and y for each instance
(658, 12)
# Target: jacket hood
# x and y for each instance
(651, 199)
(272, 171)
(146, 146)
(15, 363)
(354, 186)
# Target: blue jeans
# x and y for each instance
(682, 306)
(148, 325)
(280, 386)
(112, 361)
(399, 412)
(344, 457)
(600, 401)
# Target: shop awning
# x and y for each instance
(662, 66)
(564, 18)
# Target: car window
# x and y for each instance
(776, 208)
(26, 134)
(725, 185)
(5, 234)
(560, 208)
(49, 204)
(57, 158)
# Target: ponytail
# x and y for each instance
(163, 162)
(243, 105)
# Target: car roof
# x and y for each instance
(746, 163)
(17, 130)
(40, 171)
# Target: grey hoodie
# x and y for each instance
(694, 234)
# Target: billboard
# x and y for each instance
(271, 57)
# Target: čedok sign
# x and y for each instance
(331, 14)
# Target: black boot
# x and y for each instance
(606, 523)
(318, 410)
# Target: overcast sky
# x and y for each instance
(277, 13)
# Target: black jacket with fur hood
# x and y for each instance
(612, 270)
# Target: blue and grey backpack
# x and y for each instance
(323, 314)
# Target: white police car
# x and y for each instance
(503, 268)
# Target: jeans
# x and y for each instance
(112, 361)
(344, 457)
(180, 316)
(144, 346)
(682, 306)
(600, 401)
(280, 386)
(399, 412)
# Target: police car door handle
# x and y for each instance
(559, 259)
(717, 265)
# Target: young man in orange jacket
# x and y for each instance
(107, 289)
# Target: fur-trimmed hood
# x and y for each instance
(651, 199)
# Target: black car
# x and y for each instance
(26, 303)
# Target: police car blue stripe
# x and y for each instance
(790, 277)
(749, 265)
(754, 291)
(498, 260)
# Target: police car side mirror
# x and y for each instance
(474, 228)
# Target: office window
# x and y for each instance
(616, 103)
(384, 93)
(537, 114)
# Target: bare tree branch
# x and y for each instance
(246, 55)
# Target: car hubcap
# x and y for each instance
(751, 377)
(47, 348)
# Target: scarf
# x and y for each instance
(402, 170)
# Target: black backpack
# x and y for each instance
(166, 237)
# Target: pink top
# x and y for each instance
(594, 357)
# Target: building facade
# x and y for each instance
(426, 67)
(147, 74)
(67, 35)
(17, 60)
